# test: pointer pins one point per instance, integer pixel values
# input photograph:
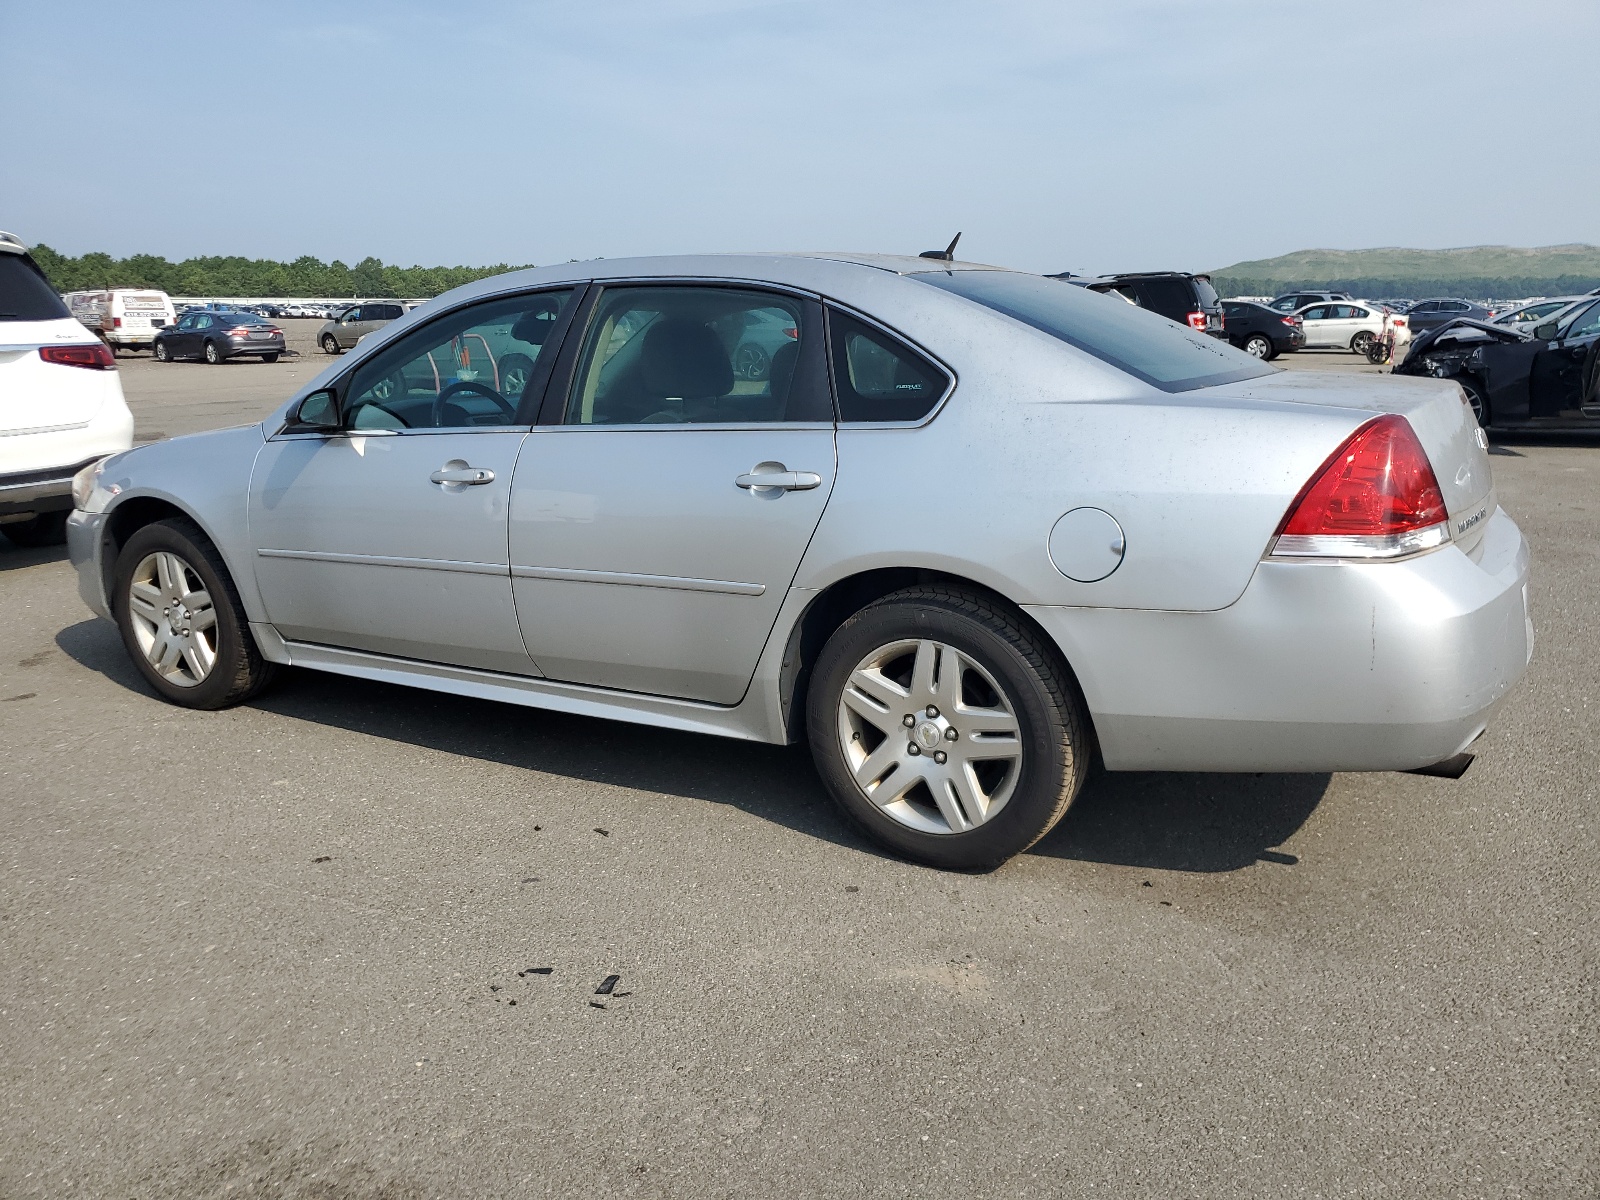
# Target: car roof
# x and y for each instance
(816, 271)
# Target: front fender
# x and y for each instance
(205, 476)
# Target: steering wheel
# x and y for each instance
(469, 385)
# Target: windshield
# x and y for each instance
(1160, 352)
(25, 294)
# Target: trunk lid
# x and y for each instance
(1438, 412)
(36, 396)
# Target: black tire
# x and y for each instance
(1359, 343)
(214, 355)
(1478, 398)
(239, 671)
(330, 344)
(162, 353)
(43, 529)
(269, 358)
(1053, 727)
(1258, 345)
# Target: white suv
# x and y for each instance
(61, 404)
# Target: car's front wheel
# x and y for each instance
(181, 619)
(946, 729)
(161, 352)
(1258, 345)
(330, 344)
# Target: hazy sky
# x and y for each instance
(1125, 134)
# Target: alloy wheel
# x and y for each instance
(174, 620)
(929, 736)
(1257, 347)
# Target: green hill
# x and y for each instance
(1474, 272)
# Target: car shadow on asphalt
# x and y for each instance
(14, 557)
(1182, 821)
(1159, 821)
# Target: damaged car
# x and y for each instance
(1516, 378)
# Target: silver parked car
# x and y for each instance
(355, 322)
(965, 530)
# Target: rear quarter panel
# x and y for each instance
(1198, 481)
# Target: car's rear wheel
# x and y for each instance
(1478, 399)
(946, 729)
(330, 344)
(161, 352)
(1361, 341)
(42, 529)
(214, 355)
(269, 358)
(1258, 345)
(181, 619)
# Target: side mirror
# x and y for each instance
(1546, 331)
(318, 411)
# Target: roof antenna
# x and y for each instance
(948, 254)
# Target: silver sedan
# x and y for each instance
(967, 531)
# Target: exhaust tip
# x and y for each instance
(1453, 767)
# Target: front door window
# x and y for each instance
(468, 370)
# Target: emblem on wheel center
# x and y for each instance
(929, 735)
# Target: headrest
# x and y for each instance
(684, 358)
(535, 325)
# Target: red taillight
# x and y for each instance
(116, 322)
(96, 356)
(1197, 320)
(1291, 322)
(1376, 497)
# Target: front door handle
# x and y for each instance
(463, 474)
(775, 478)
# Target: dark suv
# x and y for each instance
(1187, 299)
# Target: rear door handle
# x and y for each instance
(466, 475)
(780, 481)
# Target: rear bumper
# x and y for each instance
(1317, 666)
(39, 491)
(36, 468)
(244, 349)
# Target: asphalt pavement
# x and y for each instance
(346, 940)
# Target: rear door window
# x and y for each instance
(877, 377)
(25, 294)
(1162, 353)
(682, 354)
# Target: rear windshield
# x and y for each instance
(1160, 352)
(25, 294)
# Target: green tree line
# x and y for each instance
(232, 276)
(1506, 287)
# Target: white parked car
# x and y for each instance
(125, 318)
(1344, 325)
(61, 404)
